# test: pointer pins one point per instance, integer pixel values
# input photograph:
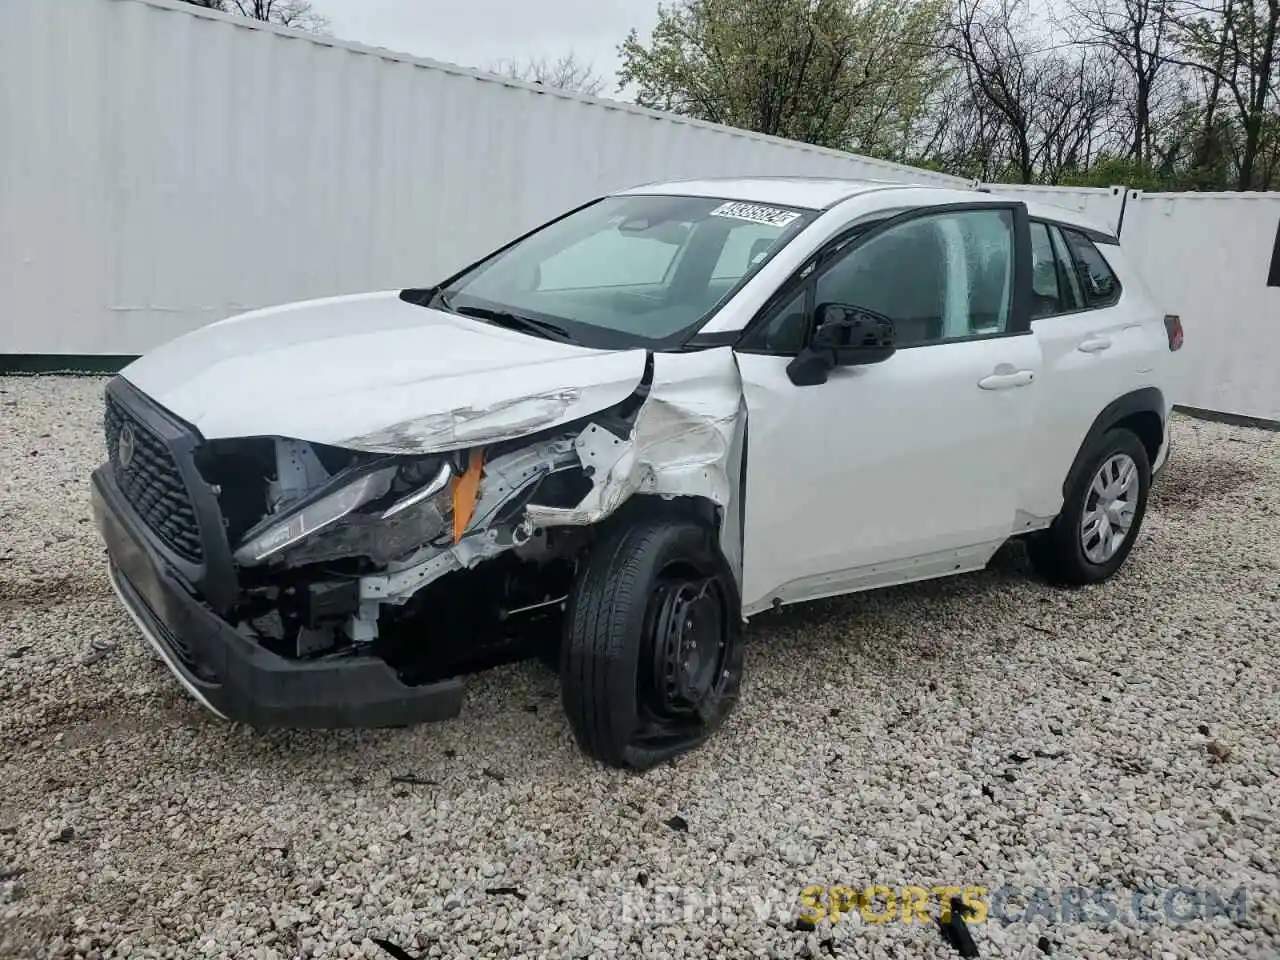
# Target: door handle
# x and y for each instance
(1006, 381)
(1094, 344)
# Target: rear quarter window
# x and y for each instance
(1101, 287)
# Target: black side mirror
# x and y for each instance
(845, 336)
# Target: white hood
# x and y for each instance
(372, 372)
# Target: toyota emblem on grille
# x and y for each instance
(125, 446)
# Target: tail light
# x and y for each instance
(1173, 327)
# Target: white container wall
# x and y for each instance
(1206, 257)
(165, 167)
(1100, 204)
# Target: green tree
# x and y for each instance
(848, 74)
(564, 73)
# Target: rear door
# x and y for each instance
(1098, 342)
(907, 468)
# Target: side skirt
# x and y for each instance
(909, 570)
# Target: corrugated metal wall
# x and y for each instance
(163, 168)
(1206, 257)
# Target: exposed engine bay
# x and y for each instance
(448, 561)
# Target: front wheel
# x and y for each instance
(1101, 514)
(652, 652)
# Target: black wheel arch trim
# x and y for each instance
(1144, 400)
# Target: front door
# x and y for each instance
(903, 469)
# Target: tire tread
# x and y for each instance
(604, 622)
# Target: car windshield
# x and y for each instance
(625, 271)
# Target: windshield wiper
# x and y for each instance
(511, 321)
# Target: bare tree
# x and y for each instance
(990, 50)
(968, 138)
(298, 14)
(564, 73)
(1074, 113)
(1236, 45)
(1040, 113)
(1137, 34)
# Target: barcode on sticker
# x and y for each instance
(756, 213)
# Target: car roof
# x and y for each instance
(1067, 216)
(814, 193)
(819, 193)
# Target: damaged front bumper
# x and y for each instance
(289, 585)
(232, 674)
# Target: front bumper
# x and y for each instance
(232, 674)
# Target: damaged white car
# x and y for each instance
(620, 436)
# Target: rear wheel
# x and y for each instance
(1101, 515)
(651, 657)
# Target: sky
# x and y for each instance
(476, 33)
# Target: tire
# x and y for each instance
(651, 593)
(1062, 554)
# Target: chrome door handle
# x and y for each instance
(1094, 344)
(1005, 381)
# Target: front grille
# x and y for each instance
(152, 483)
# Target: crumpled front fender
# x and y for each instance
(687, 441)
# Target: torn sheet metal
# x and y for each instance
(687, 440)
(505, 480)
(681, 444)
(467, 426)
(298, 472)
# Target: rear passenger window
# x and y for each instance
(1101, 288)
(1054, 286)
(1068, 279)
(1047, 296)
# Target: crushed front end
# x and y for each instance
(290, 583)
(293, 584)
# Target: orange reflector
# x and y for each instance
(465, 490)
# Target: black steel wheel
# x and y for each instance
(651, 658)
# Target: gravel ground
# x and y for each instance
(985, 730)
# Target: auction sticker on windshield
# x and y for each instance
(756, 213)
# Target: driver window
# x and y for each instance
(939, 278)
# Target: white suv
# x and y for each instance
(621, 435)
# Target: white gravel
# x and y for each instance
(986, 730)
